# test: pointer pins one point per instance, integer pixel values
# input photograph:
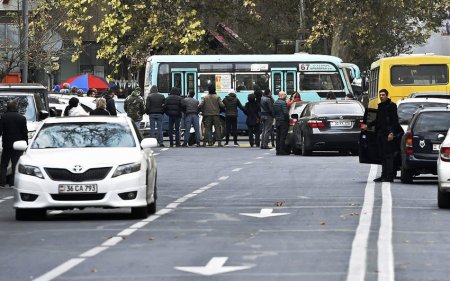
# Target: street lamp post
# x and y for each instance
(25, 41)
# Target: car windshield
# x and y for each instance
(88, 134)
(337, 109)
(25, 105)
(120, 106)
(406, 110)
(437, 121)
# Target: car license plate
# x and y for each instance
(77, 188)
(436, 146)
(339, 123)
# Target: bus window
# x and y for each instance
(205, 80)
(190, 82)
(321, 81)
(290, 83)
(247, 81)
(419, 74)
(277, 82)
(163, 78)
(177, 80)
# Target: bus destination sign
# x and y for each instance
(316, 67)
(259, 67)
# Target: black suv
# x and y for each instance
(421, 143)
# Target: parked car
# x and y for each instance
(407, 107)
(332, 125)
(29, 88)
(421, 143)
(443, 171)
(91, 161)
(440, 95)
(295, 111)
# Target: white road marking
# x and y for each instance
(112, 241)
(127, 232)
(164, 149)
(61, 269)
(248, 163)
(1, 201)
(8, 197)
(236, 170)
(358, 256)
(52, 274)
(155, 154)
(260, 157)
(92, 252)
(385, 252)
(214, 266)
(223, 178)
(264, 213)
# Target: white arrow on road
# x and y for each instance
(214, 266)
(265, 213)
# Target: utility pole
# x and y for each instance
(24, 41)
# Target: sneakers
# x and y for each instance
(236, 144)
(226, 144)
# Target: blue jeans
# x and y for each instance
(156, 119)
(174, 120)
(191, 119)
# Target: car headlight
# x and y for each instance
(30, 170)
(127, 169)
(31, 134)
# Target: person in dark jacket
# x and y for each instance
(154, 107)
(173, 110)
(110, 103)
(100, 108)
(210, 107)
(267, 114)
(232, 104)
(253, 117)
(190, 107)
(13, 127)
(281, 113)
(388, 130)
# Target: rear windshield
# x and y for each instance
(406, 110)
(433, 122)
(337, 109)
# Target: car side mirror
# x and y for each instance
(43, 114)
(149, 143)
(53, 112)
(294, 116)
(441, 137)
(20, 145)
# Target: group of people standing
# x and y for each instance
(261, 112)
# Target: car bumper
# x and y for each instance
(443, 172)
(423, 166)
(334, 141)
(106, 197)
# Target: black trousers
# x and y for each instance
(231, 124)
(254, 134)
(282, 130)
(8, 155)
(386, 149)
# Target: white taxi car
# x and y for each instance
(443, 171)
(90, 161)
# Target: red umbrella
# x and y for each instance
(87, 81)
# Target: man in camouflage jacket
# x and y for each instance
(134, 106)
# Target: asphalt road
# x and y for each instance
(242, 214)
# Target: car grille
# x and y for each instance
(66, 175)
(78, 197)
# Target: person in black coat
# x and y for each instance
(110, 103)
(232, 104)
(173, 109)
(253, 110)
(388, 132)
(13, 127)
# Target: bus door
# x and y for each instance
(284, 79)
(185, 79)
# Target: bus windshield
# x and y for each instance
(419, 74)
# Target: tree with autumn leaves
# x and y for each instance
(357, 31)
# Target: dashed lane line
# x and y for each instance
(236, 170)
(112, 241)
(223, 178)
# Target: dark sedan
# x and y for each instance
(421, 143)
(332, 125)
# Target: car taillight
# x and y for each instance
(409, 143)
(316, 124)
(445, 154)
(360, 124)
(292, 122)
